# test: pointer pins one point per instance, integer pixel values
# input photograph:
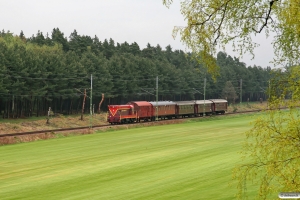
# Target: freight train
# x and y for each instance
(136, 111)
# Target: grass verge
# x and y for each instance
(179, 161)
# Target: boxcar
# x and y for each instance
(165, 109)
(219, 106)
(203, 106)
(185, 108)
(143, 110)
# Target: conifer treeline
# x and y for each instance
(53, 71)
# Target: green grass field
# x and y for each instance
(182, 161)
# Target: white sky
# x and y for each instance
(140, 21)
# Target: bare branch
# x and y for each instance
(219, 27)
(266, 18)
(212, 14)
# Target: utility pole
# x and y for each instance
(204, 96)
(156, 117)
(91, 101)
(241, 94)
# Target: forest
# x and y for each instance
(54, 71)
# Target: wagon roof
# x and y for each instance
(185, 102)
(219, 100)
(162, 103)
(120, 106)
(202, 102)
(140, 103)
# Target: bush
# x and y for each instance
(235, 108)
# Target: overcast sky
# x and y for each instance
(140, 21)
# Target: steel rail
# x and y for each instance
(106, 125)
(50, 130)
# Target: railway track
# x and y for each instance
(103, 126)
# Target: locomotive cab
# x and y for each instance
(118, 114)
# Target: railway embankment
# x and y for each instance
(26, 130)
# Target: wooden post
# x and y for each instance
(83, 102)
(48, 118)
(100, 103)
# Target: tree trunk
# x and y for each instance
(37, 107)
(100, 103)
(83, 102)
(61, 105)
(13, 106)
(70, 111)
(8, 108)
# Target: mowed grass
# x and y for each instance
(182, 161)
